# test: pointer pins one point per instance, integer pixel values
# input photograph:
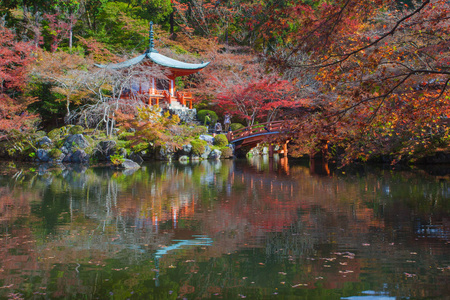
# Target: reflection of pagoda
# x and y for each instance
(160, 92)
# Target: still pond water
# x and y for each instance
(256, 229)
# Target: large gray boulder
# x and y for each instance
(166, 153)
(45, 141)
(215, 154)
(205, 154)
(78, 157)
(64, 150)
(187, 149)
(129, 164)
(137, 158)
(77, 141)
(42, 155)
(208, 138)
(105, 149)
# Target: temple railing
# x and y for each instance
(160, 97)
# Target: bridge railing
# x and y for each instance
(275, 126)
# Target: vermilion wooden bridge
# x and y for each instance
(252, 135)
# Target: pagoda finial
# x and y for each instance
(151, 44)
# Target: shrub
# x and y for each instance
(202, 114)
(76, 129)
(117, 159)
(140, 147)
(220, 140)
(226, 152)
(198, 146)
(236, 126)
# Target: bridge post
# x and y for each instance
(229, 135)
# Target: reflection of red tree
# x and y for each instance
(17, 251)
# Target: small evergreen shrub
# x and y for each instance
(220, 140)
(117, 159)
(236, 126)
(202, 114)
(226, 152)
(198, 146)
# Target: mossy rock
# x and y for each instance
(198, 147)
(220, 140)
(40, 134)
(55, 153)
(76, 129)
(55, 134)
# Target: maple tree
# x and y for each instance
(383, 74)
(259, 99)
(14, 58)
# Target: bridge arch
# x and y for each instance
(253, 135)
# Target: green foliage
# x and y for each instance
(50, 105)
(198, 146)
(125, 135)
(220, 140)
(201, 114)
(125, 25)
(140, 147)
(117, 159)
(236, 126)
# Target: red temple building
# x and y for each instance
(157, 91)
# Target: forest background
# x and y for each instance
(367, 79)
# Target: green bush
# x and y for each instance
(140, 147)
(198, 146)
(236, 126)
(226, 152)
(117, 159)
(76, 129)
(202, 114)
(220, 140)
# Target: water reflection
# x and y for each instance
(260, 228)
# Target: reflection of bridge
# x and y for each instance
(252, 135)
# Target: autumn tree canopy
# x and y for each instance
(383, 72)
(14, 58)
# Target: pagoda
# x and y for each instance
(160, 92)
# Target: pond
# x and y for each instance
(256, 229)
